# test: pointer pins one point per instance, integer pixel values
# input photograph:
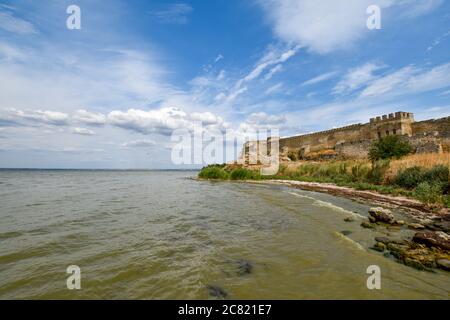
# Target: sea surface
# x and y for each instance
(161, 235)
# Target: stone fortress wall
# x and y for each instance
(354, 141)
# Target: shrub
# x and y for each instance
(409, 178)
(446, 201)
(360, 172)
(439, 173)
(428, 192)
(389, 147)
(213, 172)
(376, 174)
(241, 174)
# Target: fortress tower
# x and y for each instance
(399, 123)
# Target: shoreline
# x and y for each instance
(415, 208)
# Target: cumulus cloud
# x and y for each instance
(89, 118)
(262, 121)
(83, 131)
(39, 116)
(207, 118)
(161, 121)
(325, 26)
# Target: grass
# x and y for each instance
(422, 176)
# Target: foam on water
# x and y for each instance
(353, 242)
(328, 205)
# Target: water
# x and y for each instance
(158, 235)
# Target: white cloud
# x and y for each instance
(10, 53)
(83, 131)
(325, 26)
(356, 78)
(262, 121)
(389, 82)
(207, 118)
(176, 13)
(139, 143)
(319, 78)
(232, 96)
(14, 24)
(273, 57)
(89, 118)
(218, 58)
(221, 75)
(161, 121)
(39, 116)
(410, 79)
(414, 8)
(274, 70)
(267, 61)
(273, 89)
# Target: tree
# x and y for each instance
(389, 147)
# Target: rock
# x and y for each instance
(379, 214)
(384, 240)
(397, 250)
(217, 292)
(380, 246)
(443, 264)
(436, 239)
(244, 267)
(414, 263)
(393, 228)
(367, 225)
(399, 222)
(442, 225)
(349, 219)
(346, 232)
(416, 226)
(423, 255)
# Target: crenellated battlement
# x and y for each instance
(354, 140)
(393, 116)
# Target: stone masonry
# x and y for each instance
(354, 141)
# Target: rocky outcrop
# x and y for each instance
(379, 214)
(425, 251)
(436, 239)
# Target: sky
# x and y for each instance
(111, 94)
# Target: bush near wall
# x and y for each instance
(389, 147)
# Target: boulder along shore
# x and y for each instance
(428, 249)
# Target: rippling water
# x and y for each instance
(158, 235)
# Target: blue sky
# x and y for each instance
(110, 94)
